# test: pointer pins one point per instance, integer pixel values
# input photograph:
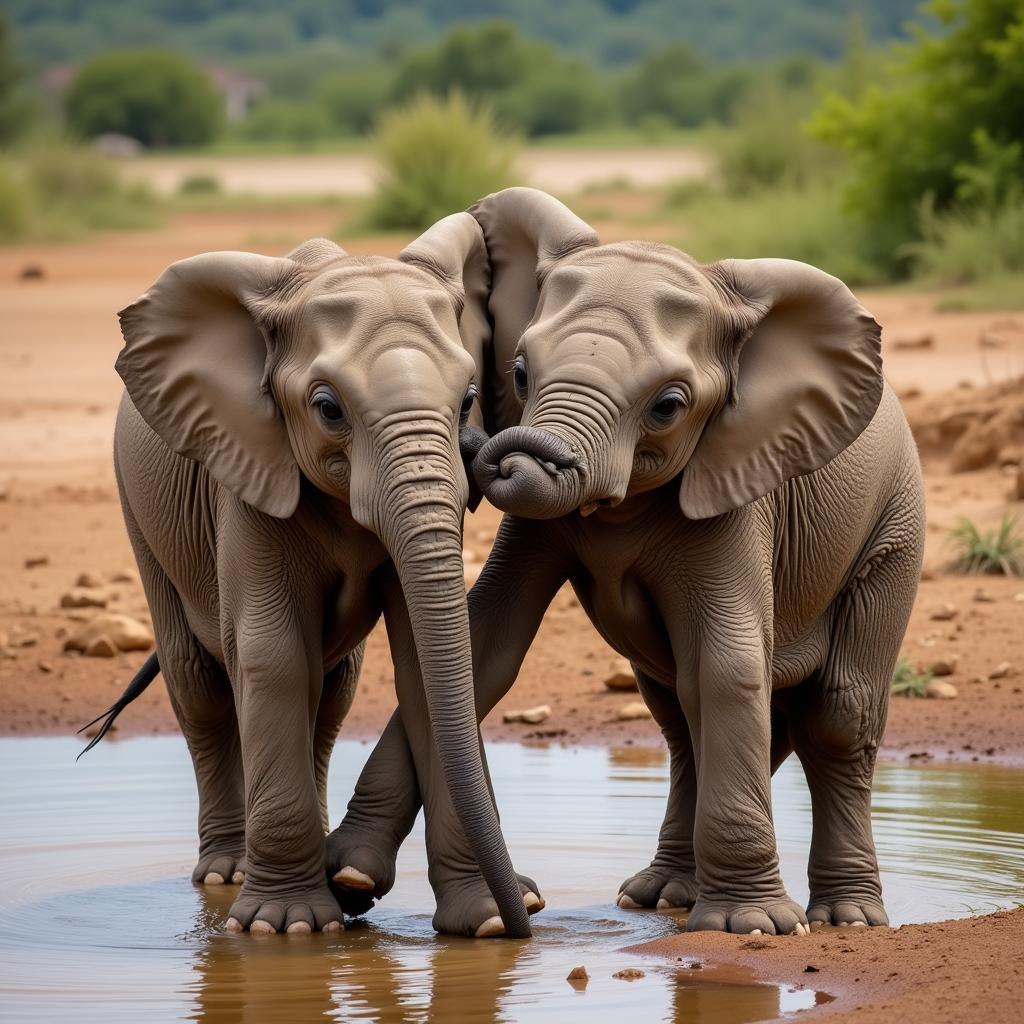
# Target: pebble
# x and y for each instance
(1001, 671)
(35, 561)
(635, 709)
(531, 716)
(913, 339)
(81, 598)
(622, 678)
(578, 974)
(125, 576)
(944, 613)
(943, 666)
(939, 690)
(45, 667)
(629, 974)
(126, 633)
(100, 647)
(89, 580)
(982, 598)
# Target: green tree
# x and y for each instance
(671, 83)
(947, 122)
(15, 108)
(156, 96)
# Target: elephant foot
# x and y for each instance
(465, 907)
(298, 911)
(222, 866)
(360, 867)
(851, 909)
(778, 915)
(665, 888)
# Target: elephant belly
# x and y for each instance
(624, 613)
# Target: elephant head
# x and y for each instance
(636, 365)
(353, 376)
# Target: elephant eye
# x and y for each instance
(467, 404)
(520, 379)
(328, 406)
(667, 407)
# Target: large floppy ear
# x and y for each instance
(806, 374)
(527, 231)
(194, 363)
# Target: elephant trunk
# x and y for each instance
(418, 516)
(530, 472)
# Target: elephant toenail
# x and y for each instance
(233, 925)
(757, 931)
(299, 928)
(332, 926)
(238, 878)
(801, 929)
(491, 928)
(213, 878)
(262, 928)
(627, 902)
(533, 902)
(351, 878)
(858, 924)
(663, 904)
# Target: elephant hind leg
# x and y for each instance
(202, 699)
(837, 730)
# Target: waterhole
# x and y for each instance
(98, 920)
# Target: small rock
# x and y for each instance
(938, 690)
(578, 974)
(31, 272)
(100, 647)
(34, 561)
(89, 580)
(45, 667)
(980, 597)
(531, 716)
(125, 576)
(80, 598)
(629, 974)
(1001, 671)
(913, 340)
(636, 709)
(943, 666)
(944, 613)
(126, 633)
(811, 969)
(26, 640)
(622, 677)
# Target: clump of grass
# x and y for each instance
(200, 185)
(437, 156)
(996, 552)
(908, 681)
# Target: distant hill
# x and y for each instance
(607, 32)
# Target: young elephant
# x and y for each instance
(289, 466)
(735, 496)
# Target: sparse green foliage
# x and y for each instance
(200, 185)
(156, 96)
(300, 124)
(908, 681)
(437, 156)
(999, 551)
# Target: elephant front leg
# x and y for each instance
(740, 889)
(278, 688)
(670, 879)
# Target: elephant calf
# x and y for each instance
(710, 456)
(288, 459)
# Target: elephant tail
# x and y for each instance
(149, 671)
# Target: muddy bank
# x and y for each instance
(961, 972)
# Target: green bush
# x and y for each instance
(353, 99)
(997, 552)
(16, 205)
(917, 134)
(285, 121)
(907, 681)
(200, 185)
(156, 96)
(805, 222)
(437, 157)
(561, 99)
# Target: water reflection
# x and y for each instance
(98, 920)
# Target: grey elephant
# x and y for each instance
(710, 456)
(289, 464)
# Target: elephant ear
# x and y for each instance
(526, 232)
(806, 380)
(194, 363)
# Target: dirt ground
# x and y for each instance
(59, 518)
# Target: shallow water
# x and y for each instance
(98, 919)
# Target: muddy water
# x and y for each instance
(99, 922)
